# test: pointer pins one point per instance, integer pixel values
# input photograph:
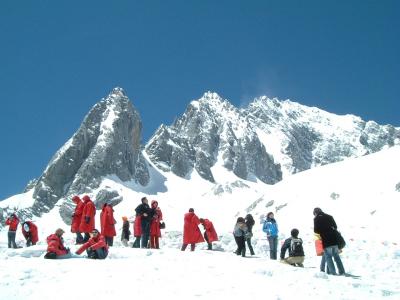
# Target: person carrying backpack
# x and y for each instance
(295, 246)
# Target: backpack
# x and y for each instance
(296, 247)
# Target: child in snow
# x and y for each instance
(125, 231)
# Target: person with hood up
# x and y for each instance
(87, 221)
(30, 233)
(125, 231)
(107, 223)
(76, 219)
(326, 227)
(270, 227)
(55, 246)
(13, 222)
(249, 223)
(155, 232)
(210, 235)
(137, 231)
(146, 214)
(96, 247)
(295, 246)
(191, 232)
(239, 232)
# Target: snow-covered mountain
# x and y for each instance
(227, 147)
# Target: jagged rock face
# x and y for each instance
(267, 140)
(209, 130)
(107, 143)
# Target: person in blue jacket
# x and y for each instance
(270, 227)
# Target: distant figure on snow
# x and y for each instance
(249, 220)
(13, 222)
(239, 232)
(107, 223)
(145, 213)
(270, 227)
(155, 232)
(191, 232)
(76, 219)
(125, 231)
(210, 235)
(55, 246)
(87, 220)
(137, 231)
(96, 247)
(30, 233)
(295, 246)
(326, 227)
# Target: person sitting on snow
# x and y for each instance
(55, 246)
(96, 247)
(295, 246)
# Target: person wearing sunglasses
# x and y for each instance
(96, 247)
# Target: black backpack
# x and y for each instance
(296, 247)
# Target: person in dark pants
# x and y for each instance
(270, 227)
(326, 227)
(249, 223)
(13, 222)
(125, 231)
(145, 213)
(96, 247)
(239, 233)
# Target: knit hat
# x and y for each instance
(76, 199)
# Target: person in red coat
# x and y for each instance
(30, 233)
(76, 219)
(107, 223)
(96, 247)
(155, 232)
(13, 222)
(55, 246)
(210, 235)
(191, 232)
(137, 231)
(87, 220)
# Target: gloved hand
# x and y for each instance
(87, 220)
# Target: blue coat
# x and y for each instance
(270, 227)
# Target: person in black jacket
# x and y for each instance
(145, 212)
(296, 252)
(125, 231)
(250, 223)
(326, 227)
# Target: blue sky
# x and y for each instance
(58, 58)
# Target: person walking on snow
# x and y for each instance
(30, 233)
(13, 222)
(87, 220)
(326, 227)
(145, 213)
(125, 231)
(249, 220)
(155, 232)
(107, 223)
(239, 233)
(96, 247)
(55, 246)
(270, 227)
(191, 232)
(210, 235)
(295, 246)
(76, 219)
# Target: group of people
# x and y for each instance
(147, 232)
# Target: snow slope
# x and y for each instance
(362, 194)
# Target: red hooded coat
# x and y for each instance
(191, 231)
(77, 216)
(33, 232)
(137, 226)
(95, 242)
(211, 233)
(107, 221)
(89, 210)
(55, 244)
(155, 221)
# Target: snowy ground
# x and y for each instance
(362, 194)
